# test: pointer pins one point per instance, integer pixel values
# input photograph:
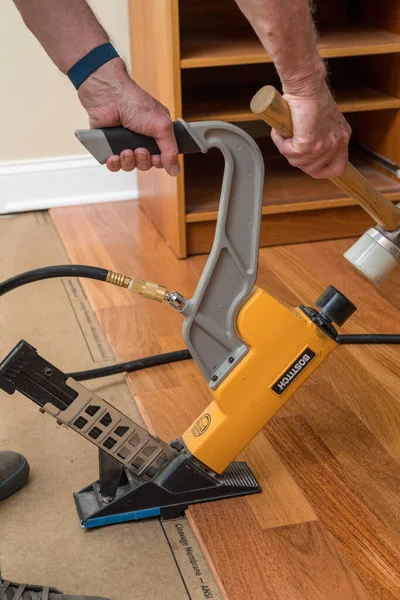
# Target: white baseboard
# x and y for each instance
(61, 181)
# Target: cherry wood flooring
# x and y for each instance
(327, 524)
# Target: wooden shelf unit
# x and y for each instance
(192, 56)
(230, 104)
(236, 47)
(285, 189)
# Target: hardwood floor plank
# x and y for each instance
(365, 539)
(390, 288)
(307, 269)
(138, 248)
(170, 411)
(300, 562)
(378, 409)
(281, 501)
(85, 246)
(374, 473)
(339, 466)
(382, 363)
(326, 262)
(138, 329)
(373, 371)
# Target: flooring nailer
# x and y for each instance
(253, 350)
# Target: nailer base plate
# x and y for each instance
(165, 496)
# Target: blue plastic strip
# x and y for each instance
(122, 518)
(89, 63)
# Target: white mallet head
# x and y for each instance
(375, 254)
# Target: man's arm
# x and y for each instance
(67, 30)
(321, 133)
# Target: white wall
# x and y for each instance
(39, 112)
(39, 108)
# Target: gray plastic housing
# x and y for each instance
(209, 327)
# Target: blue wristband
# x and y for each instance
(89, 63)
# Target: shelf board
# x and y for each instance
(223, 104)
(286, 189)
(209, 48)
(352, 96)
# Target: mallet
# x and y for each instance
(377, 252)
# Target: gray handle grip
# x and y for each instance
(110, 141)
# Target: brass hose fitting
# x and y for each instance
(150, 290)
(118, 279)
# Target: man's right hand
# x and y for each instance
(112, 98)
(321, 134)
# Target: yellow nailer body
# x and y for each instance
(285, 348)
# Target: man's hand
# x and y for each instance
(321, 134)
(68, 30)
(111, 98)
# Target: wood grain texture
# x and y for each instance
(359, 84)
(155, 48)
(331, 452)
(202, 15)
(380, 134)
(284, 503)
(385, 14)
(390, 289)
(272, 108)
(363, 458)
(236, 47)
(290, 228)
(368, 544)
(232, 104)
(286, 189)
(295, 207)
(300, 562)
(375, 370)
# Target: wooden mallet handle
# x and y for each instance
(274, 110)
